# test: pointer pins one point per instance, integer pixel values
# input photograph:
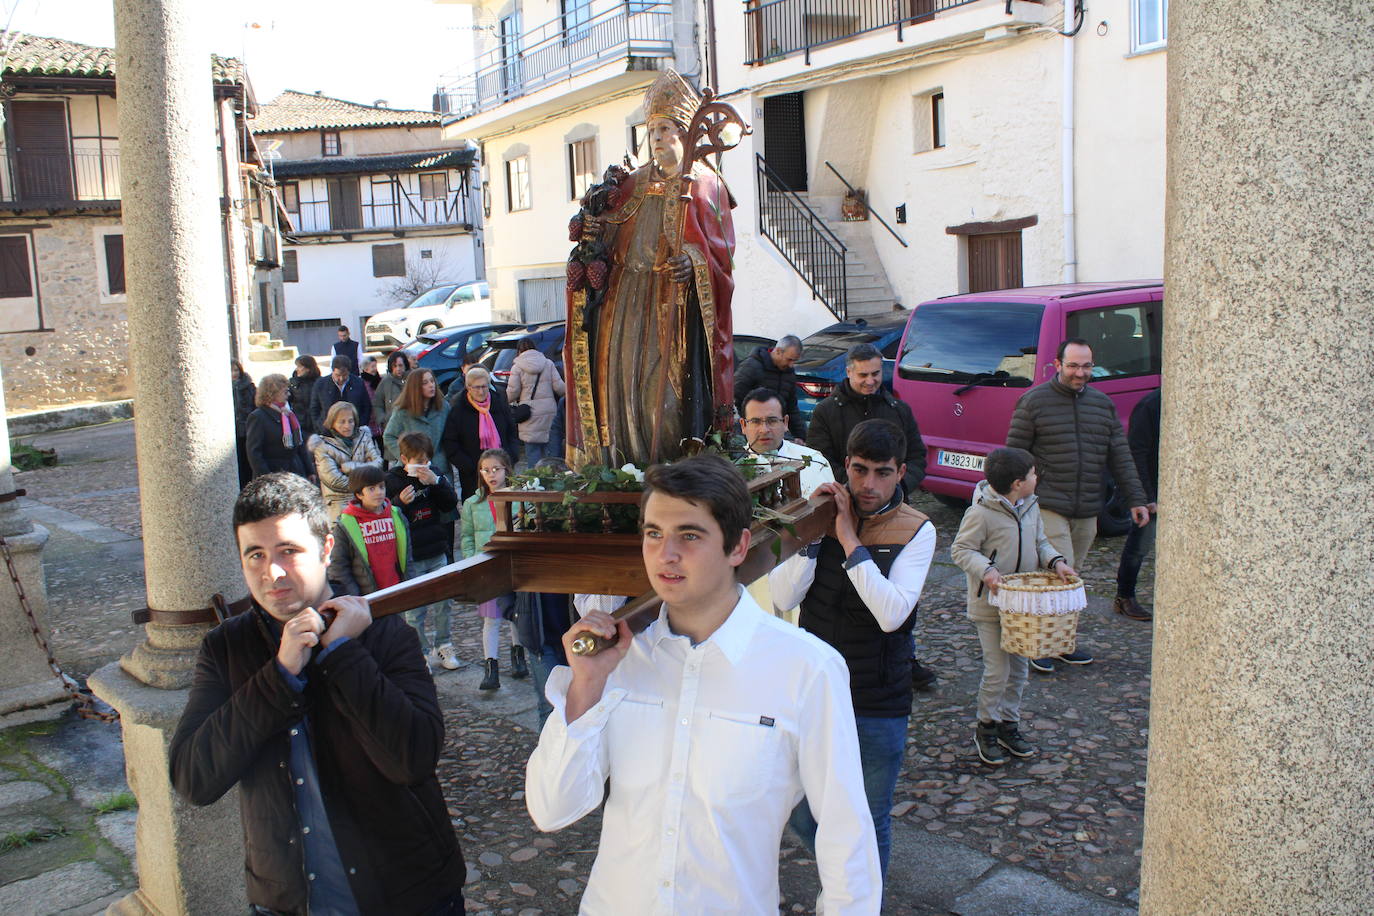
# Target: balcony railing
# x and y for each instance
(558, 49)
(59, 178)
(405, 211)
(781, 28)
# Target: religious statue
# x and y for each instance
(649, 285)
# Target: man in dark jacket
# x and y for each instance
(328, 723)
(772, 369)
(861, 396)
(1144, 441)
(1074, 434)
(347, 346)
(340, 385)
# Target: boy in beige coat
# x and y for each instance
(1002, 532)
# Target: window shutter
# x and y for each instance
(289, 271)
(389, 260)
(15, 280)
(114, 263)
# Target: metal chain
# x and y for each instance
(88, 706)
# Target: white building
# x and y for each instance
(379, 204)
(992, 150)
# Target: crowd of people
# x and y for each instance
(745, 708)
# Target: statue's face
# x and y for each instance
(665, 143)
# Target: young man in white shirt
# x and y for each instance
(858, 588)
(763, 422)
(711, 725)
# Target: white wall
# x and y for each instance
(358, 141)
(336, 278)
(1119, 151)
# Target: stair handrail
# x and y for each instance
(816, 218)
(825, 272)
(855, 191)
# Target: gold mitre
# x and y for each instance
(671, 96)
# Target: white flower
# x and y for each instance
(637, 473)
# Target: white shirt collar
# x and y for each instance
(731, 637)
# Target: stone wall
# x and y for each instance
(81, 353)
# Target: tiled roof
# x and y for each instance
(35, 55)
(293, 110)
(363, 165)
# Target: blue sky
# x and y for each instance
(343, 48)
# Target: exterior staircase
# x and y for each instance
(267, 355)
(837, 259)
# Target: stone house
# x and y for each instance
(991, 150)
(378, 202)
(554, 96)
(63, 327)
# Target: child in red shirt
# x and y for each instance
(371, 538)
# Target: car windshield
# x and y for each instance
(435, 296)
(959, 341)
(821, 348)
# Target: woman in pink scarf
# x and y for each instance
(272, 433)
(480, 419)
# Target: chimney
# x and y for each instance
(380, 103)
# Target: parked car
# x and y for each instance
(966, 360)
(499, 353)
(442, 351)
(441, 307)
(821, 368)
(748, 343)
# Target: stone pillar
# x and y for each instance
(28, 689)
(1261, 793)
(190, 859)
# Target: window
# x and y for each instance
(1125, 339)
(928, 121)
(955, 342)
(345, 206)
(114, 264)
(518, 184)
(389, 260)
(434, 186)
(581, 166)
(329, 142)
(638, 134)
(1149, 24)
(290, 273)
(994, 261)
(16, 280)
(291, 196)
(576, 15)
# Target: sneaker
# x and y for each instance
(432, 660)
(922, 678)
(1009, 736)
(1131, 609)
(1077, 657)
(1043, 665)
(448, 657)
(985, 741)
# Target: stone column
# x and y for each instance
(189, 859)
(28, 689)
(1261, 767)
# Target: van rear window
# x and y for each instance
(957, 342)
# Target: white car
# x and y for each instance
(440, 307)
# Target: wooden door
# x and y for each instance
(42, 149)
(345, 206)
(994, 261)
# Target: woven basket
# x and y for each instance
(1039, 613)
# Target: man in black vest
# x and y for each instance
(858, 588)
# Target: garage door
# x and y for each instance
(315, 337)
(542, 300)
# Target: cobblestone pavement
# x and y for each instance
(1072, 814)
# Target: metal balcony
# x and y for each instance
(59, 179)
(560, 48)
(781, 28)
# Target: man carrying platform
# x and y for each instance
(711, 725)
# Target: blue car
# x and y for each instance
(821, 368)
(442, 351)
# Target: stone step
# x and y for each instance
(260, 339)
(275, 355)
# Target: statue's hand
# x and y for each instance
(679, 268)
(591, 226)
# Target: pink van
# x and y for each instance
(966, 360)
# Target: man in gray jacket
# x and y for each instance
(1075, 435)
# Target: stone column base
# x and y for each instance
(32, 702)
(28, 690)
(190, 860)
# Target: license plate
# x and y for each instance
(960, 460)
